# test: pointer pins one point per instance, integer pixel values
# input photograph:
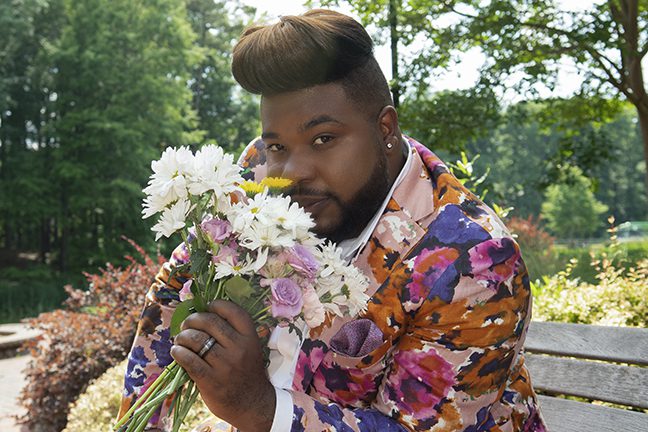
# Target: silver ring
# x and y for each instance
(209, 343)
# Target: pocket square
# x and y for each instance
(357, 338)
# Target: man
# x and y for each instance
(438, 347)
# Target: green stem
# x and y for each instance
(145, 420)
(260, 313)
(179, 379)
(259, 298)
(159, 380)
(183, 233)
(183, 406)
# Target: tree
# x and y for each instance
(227, 115)
(609, 40)
(449, 120)
(620, 181)
(570, 208)
(531, 39)
(525, 155)
(122, 69)
(25, 109)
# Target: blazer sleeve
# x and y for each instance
(451, 365)
(150, 352)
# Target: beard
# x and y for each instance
(359, 210)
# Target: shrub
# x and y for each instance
(78, 343)
(96, 409)
(626, 255)
(536, 244)
(619, 298)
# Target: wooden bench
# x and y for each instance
(594, 362)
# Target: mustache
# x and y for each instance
(305, 191)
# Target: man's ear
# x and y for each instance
(388, 124)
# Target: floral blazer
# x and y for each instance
(450, 296)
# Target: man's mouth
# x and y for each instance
(310, 203)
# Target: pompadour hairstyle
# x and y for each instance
(318, 47)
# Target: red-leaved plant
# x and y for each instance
(535, 243)
(93, 332)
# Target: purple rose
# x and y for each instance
(227, 253)
(185, 292)
(302, 260)
(286, 298)
(216, 229)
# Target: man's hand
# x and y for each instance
(231, 376)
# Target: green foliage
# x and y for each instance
(463, 169)
(450, 119)
(26, 292)
(227, 115)
(182, 311)
(96, 408)
(618, 298)
(127, 99)
(526, 151)
(626, 255)
(90, 92)
(79, 343)
(570, 208)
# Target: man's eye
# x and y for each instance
(322, 139)
(273, 147)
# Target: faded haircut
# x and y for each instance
(318, 47)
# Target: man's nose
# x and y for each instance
(299, 168)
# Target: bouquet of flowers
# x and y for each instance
(247, 243)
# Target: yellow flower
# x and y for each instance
(252, 188)
(276, 182)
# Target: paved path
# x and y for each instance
(11, 382)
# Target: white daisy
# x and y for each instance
(168, 183)
(249, 266)
(172, 219)
(214, 171)
(257, 235)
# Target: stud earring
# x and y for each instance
(390, 145)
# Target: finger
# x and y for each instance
(196, 367)
(235, 315)
(214, 326)
(195, 340)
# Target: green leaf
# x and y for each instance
(238, 289)
(200, 304)
(183, 310)
(199, 261)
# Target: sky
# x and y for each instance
(464, 74)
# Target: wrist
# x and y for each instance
(260, 415)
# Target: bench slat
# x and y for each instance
(625, 385)
(617, 344)
(564, 415)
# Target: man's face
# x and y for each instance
(333, 153)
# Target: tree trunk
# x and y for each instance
(393, 36)
(45, 234)
(642, 113)
(65, 234)
(631, 56)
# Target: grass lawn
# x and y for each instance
(26, 292)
